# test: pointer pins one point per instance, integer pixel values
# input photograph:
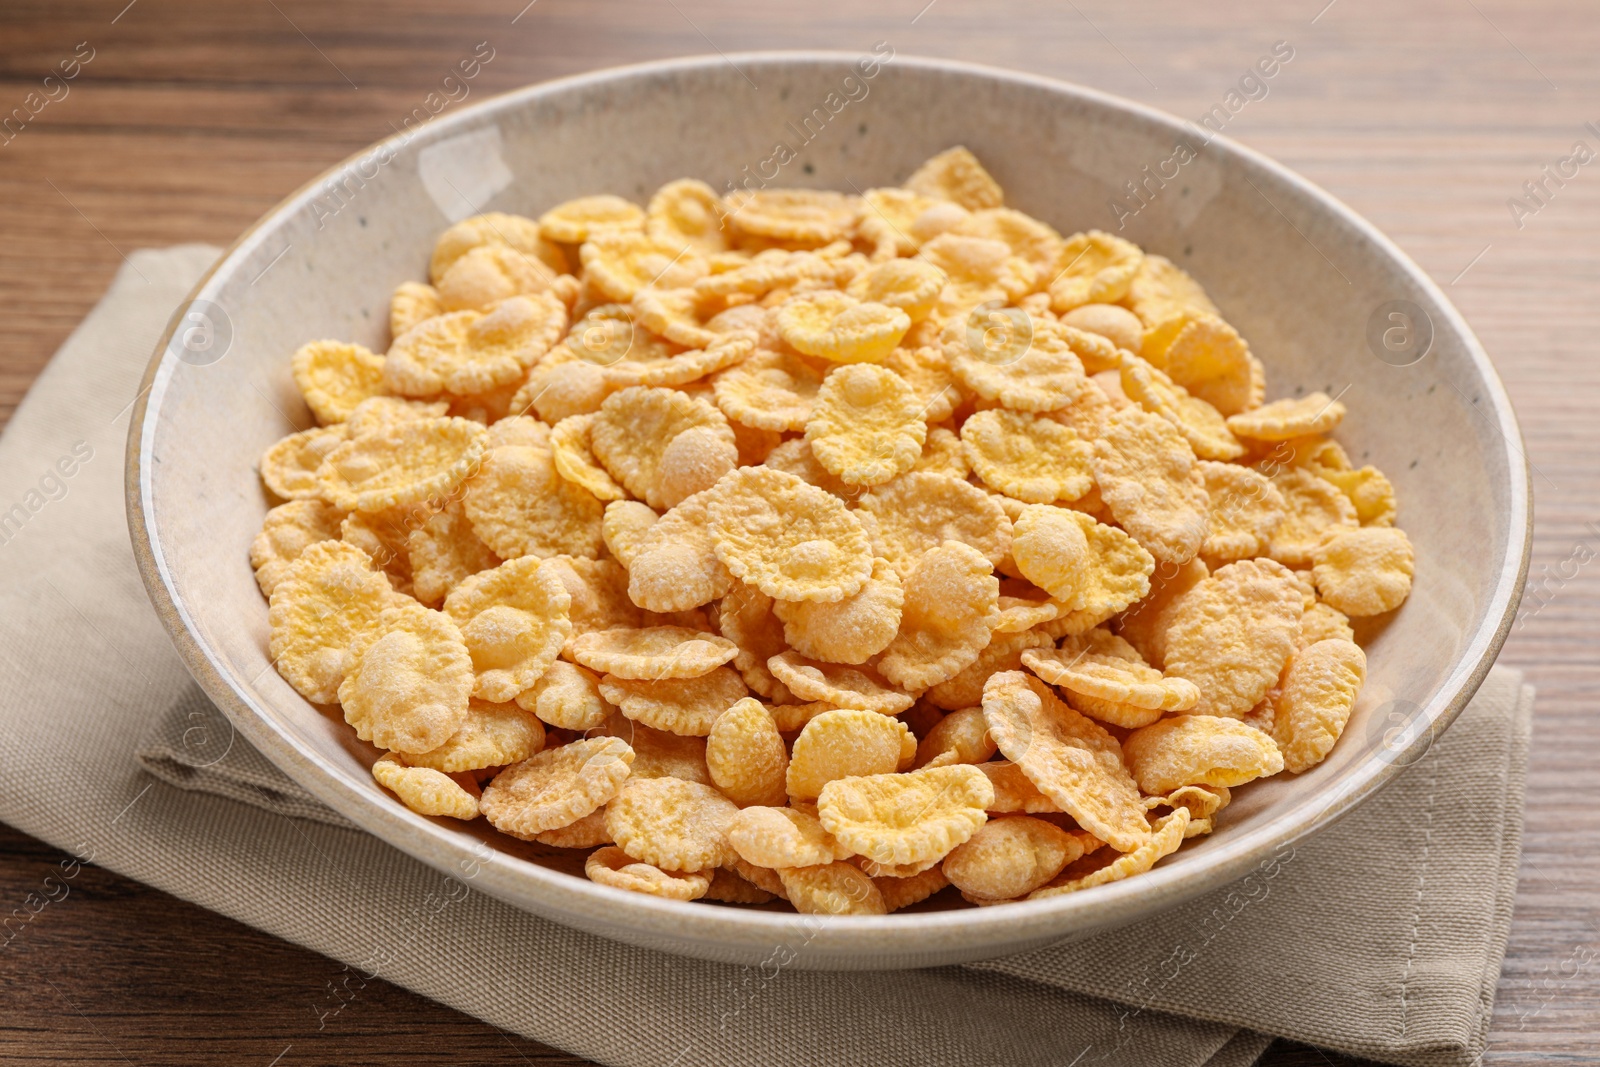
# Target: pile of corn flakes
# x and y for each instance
(837, 549)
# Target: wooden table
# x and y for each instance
(189, 118)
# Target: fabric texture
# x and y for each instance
(1382, 936)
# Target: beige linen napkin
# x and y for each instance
(1381, 936)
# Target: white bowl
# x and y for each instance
(1309, 283)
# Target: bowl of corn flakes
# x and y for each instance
(909, 514)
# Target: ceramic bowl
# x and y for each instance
(1326, 301)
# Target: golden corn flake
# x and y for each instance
(831, 889)
(1161, 291)
(623, 527)
(851, 630)
(659, 753)
(400, 464)
(955, 174)
(1050, 548)
(684, 706)
(1314, 701)
(569, 447)
(556, 787)
(412, 303)
(1163, 840)
(1322, 622)
(1116, 324)
(443, 552)
(1233, 632)
(913, 286)
(776, 837)
(289, 468)
(942, 454)
(465, 352)
(919, 511)
(491, 273)
(1010, 857)
(1079, 667)
(652, 653)
(610, 866)
(1313, 509)
(424, 790)
(770, 390)
(334, 377)
(1032, 367)
(951, 605)
(494, 228)
(1147, 477)
(1014, 791)
(671, 824)
(515, 621)
(901, 893)
(906, 818)
(327, 597)
(576, 221)
(588, 832)
(1199, 423)
(383, 536)
(1245, 509)
(1094, 268)
(746, 756)
(619, 264)
(567, 696)
(598, 589)
(287, 531)
(1199, 750)
(1002, 653)
(1070, 759)
(379, 411)
(1369, 490)
(674, 314)
(1027, 457)
(977, 271)
(841, 329)
(409, 680)
(520, 506)
(897, 221)
(926, 371)
(687, 214)
(562, 386)
(875, 870)
(661, 444)
(803, 216)
(963, 733)
(745, 617)
(730, 888)
(1365, 571)
(491, 735)
(1210, 360)
(1289, 418)
(839, 686)
(866, 425)
(791, 540)
(674, 565)
(1112, 712)
(847, 742)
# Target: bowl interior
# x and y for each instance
(1309, 285)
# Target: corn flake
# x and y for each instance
(906, 818)
(1244, 510)
(569, 447)
(611, 866)
(836, 685)
(791, 540)
(466, 352)
(1163, 840)
(866, 426)
(1027, 457)
(425, 791)
(951, 605)
(1233, 632)
(955, 174)
(674, 565)
(802, 216)
(1070, 759)
(652, 653)
(1365, 571)
(1314, 700)
(1313, 509)
(1147, 477)
(1010, 858)
(515, 619)
(747, 757)
(770, 390)
(287, 531)
(520, 506)
(409, 680)
(837, 327)
(1034, 366)
(1199, 423)
(671, 824)
(1199, 750)
(328, 596)
(684, 706)
(831, 889)
(1094, 268)
(851, 630)
(844, 742)
(919, 511)
(412, 303)
(1282, 420)
(491, 735)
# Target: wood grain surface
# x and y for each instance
(192, 117)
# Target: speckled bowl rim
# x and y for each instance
(963, 932)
